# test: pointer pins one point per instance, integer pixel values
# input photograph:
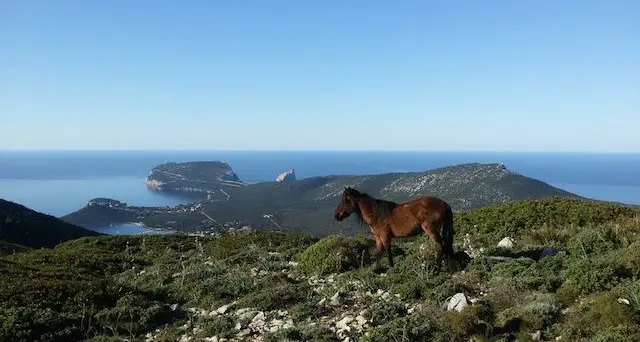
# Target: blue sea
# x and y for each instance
(60, 182)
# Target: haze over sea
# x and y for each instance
(60, 182)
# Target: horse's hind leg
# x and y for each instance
(437, 239)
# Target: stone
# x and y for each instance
(361, 320)
(458, 302)
(343, 324)
(223, 309)
(624, 301)
(536, 336)
(335, 299)
(258, 321)
(259, 317)
(246, 313)
(506, 243)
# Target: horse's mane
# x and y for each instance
(380, 208)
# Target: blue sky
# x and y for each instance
(321, 75)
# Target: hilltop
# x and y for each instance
(21, 227)
(306, 205)
(570, 273)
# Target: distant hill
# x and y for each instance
(21, 226)
(306, 205)
(200, 176)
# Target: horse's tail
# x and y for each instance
(448, 232)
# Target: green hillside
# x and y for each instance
(23, 226)
(572, 275)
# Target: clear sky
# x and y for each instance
(324, 75)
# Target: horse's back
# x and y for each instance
(427, 207)
(432, 202)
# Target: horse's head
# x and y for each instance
(347, 205)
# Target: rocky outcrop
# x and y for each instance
(287, 176)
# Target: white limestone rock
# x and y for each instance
(287, 176)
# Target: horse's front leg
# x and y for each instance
(386, 244)
(379, 247)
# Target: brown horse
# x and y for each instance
(388, 219)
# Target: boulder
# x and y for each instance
(458, 302)
(506, 243)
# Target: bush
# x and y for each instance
(335, 253)
(221, 326)
(621, 333)
(535, 311)
(588, 276)
(476, 319)
(273, 297)
(421, 326)
(521, 217)
(383, 312)
(601, 316)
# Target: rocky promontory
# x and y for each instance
(206, 177)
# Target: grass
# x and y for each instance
(284, 286)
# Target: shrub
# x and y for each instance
(520, 217)
(621, 333)
(384, 312)
(221, 326)
(588, 276)
(336, 253)
(274, 297)
(597, 314)
(476, 319)
(535, 311)
(421, 326)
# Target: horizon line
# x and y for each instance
(309, 150)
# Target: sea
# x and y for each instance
(60, 182)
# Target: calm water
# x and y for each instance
(58, 183)
(130, 229)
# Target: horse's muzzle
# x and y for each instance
(339, 217)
